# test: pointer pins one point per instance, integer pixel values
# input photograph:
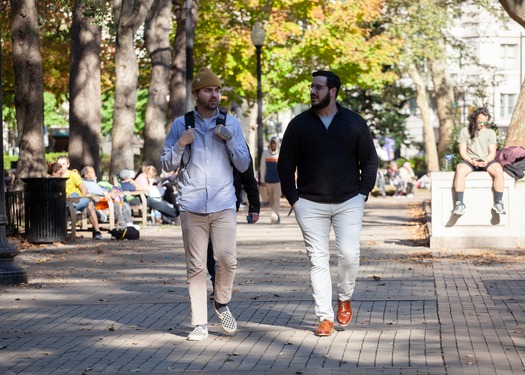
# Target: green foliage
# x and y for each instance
(480, 92)
(453, 148)
(418, 164)
(54, 114)
(51, 157)
(108, 100)
(140, 119)
(8, 110)
(100, 12)
(419, 24)
(7, 161)
(300, 37)
(384, 110)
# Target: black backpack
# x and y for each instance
(128, 233)
(189, 122)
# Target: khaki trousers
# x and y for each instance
(221, 228)
(274, 197)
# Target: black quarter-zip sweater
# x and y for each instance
(334, 164)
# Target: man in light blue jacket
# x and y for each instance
(205, 156)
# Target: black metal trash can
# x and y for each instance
(45, 209)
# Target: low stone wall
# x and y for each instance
(479, 226)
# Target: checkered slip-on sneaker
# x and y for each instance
(199, 333)
(228, 322)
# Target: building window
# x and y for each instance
(507, 103)
(509, 56)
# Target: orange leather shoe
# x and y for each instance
(325, 328)
(344, 312)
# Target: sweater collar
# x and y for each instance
(339, 107)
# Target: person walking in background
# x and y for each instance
(333, 153)
(270, 178)
(205, 156)
(380, 183)
(392, 173)
(477, 147)
(409, 178)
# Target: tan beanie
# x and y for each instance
(204, 78)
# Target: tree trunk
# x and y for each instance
(515, 9)
(423, 103)
(516, 131)
(177, 103)
(85, 111)
(157, 32)
(444, 99)
(129, 15)
(29, 90)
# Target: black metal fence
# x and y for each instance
(15, 211)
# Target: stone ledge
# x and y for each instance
(480, 226)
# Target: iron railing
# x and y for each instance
(15, 211)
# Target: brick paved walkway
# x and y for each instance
(121, 307)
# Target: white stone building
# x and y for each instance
(492, 64)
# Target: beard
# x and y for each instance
(210, 104)
(324, 101)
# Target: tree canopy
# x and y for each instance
(370, 44)
(301, 36)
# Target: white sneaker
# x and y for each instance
(499, 208)
(460, 208)
(228, 322)
(199, 333)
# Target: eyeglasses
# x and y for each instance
(317, 87)
(484, 123)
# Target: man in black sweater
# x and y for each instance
(333, 153)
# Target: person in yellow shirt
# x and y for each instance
(75, 187)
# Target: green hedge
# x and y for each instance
(50, 157)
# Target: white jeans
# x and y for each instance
(315, 221)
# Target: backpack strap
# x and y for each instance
(189, 120)
(221, 119)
